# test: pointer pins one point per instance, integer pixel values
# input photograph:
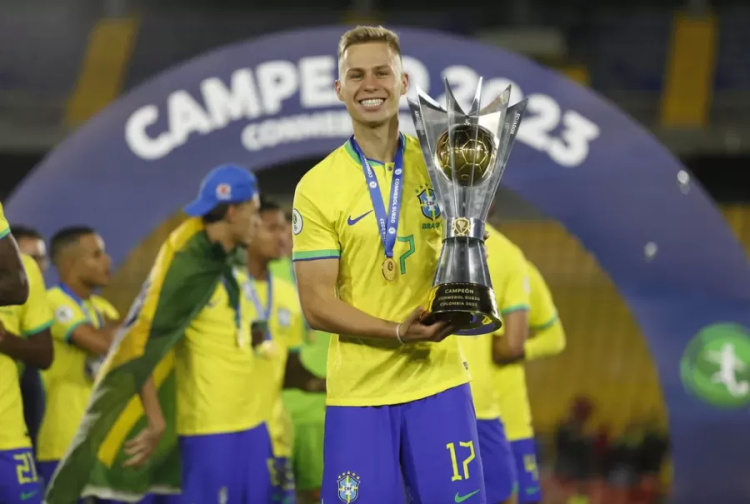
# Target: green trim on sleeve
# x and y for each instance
(5, 232)
(69, 333)
(514, 308)
(546, 325)
(37, 329)
(316, 254)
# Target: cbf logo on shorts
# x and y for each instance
(716, 365)
(348, 487)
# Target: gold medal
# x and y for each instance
(389, 269)
(267, 350)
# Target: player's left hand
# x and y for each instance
(141, 447)
(317, 385)
(486, 237)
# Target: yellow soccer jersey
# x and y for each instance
(4, 227)
(333, 217)
(286, 328)
(507, 266)
(69, 381)
(30, 318)
(214, 365)
(511, 380)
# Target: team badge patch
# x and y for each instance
(348, 487)
(64, 314)
(297, 222)
(428, 202)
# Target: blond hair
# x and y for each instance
(364, 34)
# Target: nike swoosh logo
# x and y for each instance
(28, 495)
(530, 491)
(352, 222)
(460, 498)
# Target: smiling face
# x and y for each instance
(371, 82)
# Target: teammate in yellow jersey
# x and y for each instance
(14, 285)
(507, 267)
(83, 329)
(25, 339)
(367, 236)
(279, 334)
(224, 442)
(546, 338)
(31, 243)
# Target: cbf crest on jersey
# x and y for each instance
(285, 317)
(348, 487)
(428, 202)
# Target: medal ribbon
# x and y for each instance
(264, 312)
(387, 223)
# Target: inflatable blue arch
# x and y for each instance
(579, 159)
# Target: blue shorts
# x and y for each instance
(500, 477)
(232, 467)
(529, 488)
(282, 477)
(426, 451)
(19, 481)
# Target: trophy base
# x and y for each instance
(470, 306)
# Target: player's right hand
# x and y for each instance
(141, 447)
(413, 330)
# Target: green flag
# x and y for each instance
(181, 282)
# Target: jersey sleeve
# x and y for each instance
(313, 230)
(36, 315)
(106, 308)
(549, 336)
(66, 316)
(4, 226)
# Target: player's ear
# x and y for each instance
(337, 87)
(404, 83)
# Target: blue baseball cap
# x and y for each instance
(224, 184)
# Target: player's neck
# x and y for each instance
(78, 287)
(257, 267)
(379, 142)
(218, 232)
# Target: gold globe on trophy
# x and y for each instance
(472, 147)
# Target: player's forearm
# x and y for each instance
(94, 341)
(35, 351)
(510, 347)
(14, 285)
(298, 376)
(151, 407)
(546, 342)
(332, 315)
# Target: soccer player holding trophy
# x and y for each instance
(368, 232)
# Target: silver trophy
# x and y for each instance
(466, 155)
